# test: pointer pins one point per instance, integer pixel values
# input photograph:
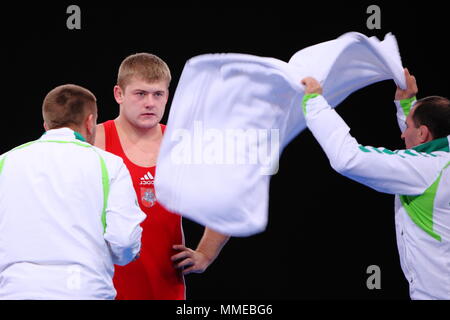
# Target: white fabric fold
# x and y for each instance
(232, 115)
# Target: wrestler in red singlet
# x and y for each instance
(152, 276)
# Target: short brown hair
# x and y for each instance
(433, 112)
(144, 66)
(67, 105)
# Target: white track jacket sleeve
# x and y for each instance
(403, 109)
(404, 172)
(123, 218)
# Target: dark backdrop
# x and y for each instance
(324, 230)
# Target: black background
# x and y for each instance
(324, 230)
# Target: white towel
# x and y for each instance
(233, 114)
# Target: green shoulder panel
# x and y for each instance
(420, 208)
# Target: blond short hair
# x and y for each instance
(68, 105)
(144, 66)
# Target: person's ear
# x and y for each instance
(118, 94)
(91, 124)
(425, 134)
(46, 126)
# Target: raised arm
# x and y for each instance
(379, 168)
(405, 99)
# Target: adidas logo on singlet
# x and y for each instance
(147, 179)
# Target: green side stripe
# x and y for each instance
(364, 149)
(384, 150)
(397, 152)
(105, 183)
(420, 208)
(2, 162)
(387, 151)
(105, 175)
(55, 141)
(306, 97)
(74, 142)
(408, 152)
(406, 105)
(375, 149)
(24, 145)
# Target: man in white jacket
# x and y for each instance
(419, 177)
(68, 210)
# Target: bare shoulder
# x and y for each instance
(100, 137)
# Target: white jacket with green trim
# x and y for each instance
(68, 213)
(420, 179)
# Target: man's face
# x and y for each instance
(412, 134)
(143, 103)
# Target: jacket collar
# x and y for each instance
(441, 144)
(64, 134)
